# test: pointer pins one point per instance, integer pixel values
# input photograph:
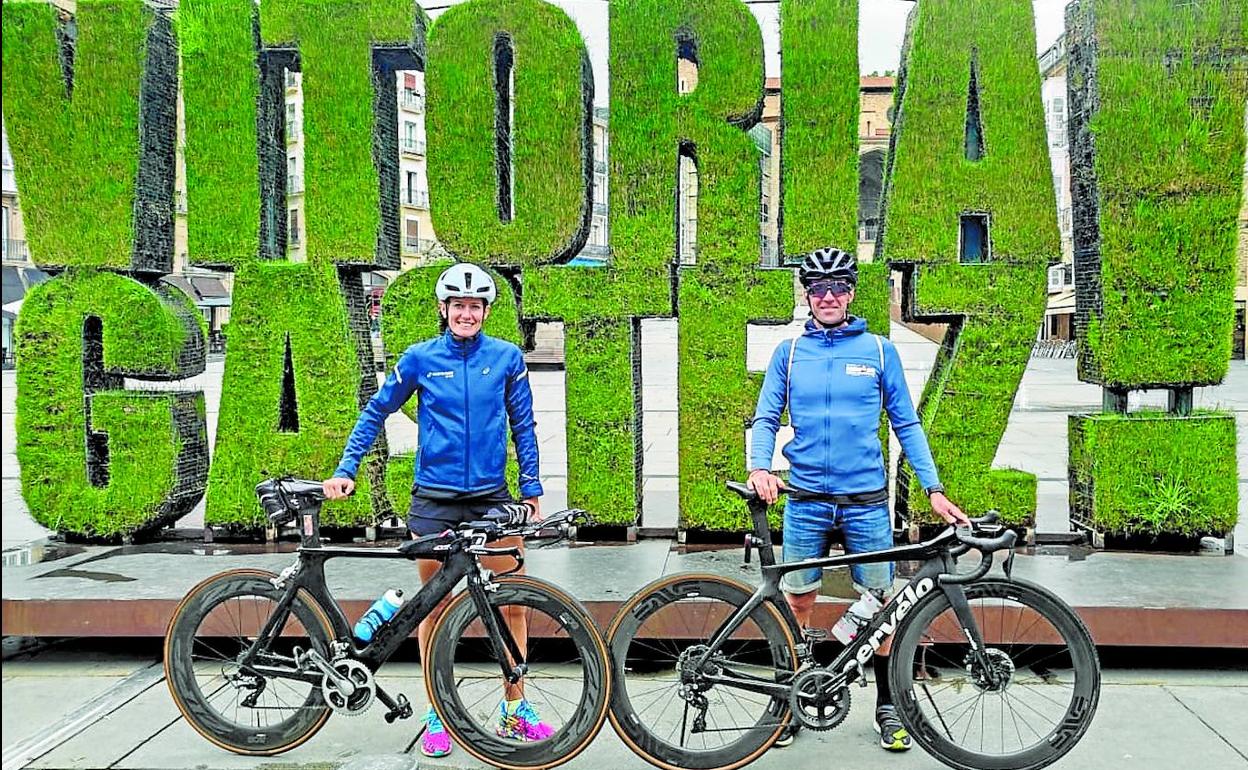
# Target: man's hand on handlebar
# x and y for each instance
(337, 488)
(946, 510)
(765, 484)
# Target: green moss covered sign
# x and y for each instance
(969, 220)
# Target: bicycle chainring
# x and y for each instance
(360, 699)
(819, 699)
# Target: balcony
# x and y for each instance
(16, 251)
(294, 184)
(292, 80)
(179, 201)
(292, 133)
(416, 198)
(417, 245)
(412, 146)
(410, 100)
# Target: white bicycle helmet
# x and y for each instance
(466, 280)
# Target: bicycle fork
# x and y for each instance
(502, 642)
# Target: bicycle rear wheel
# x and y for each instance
(1047, 678)
(233, 707)
(567, 682)
(656, 639)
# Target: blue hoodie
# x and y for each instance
(836, 388)
(470, 391)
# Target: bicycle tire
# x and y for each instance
(626, 716)
(206, 613)
(931, 644)
(567, 622)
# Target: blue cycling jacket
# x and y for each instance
(470, 391)
(834, 393)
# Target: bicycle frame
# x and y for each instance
(938, 571)
(308, 574)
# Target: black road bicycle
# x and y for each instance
(986, 672)
(257, 662)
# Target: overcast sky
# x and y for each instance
(881, 26)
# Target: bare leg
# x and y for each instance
(803, 606)
(428, 568)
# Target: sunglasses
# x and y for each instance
(819, 289)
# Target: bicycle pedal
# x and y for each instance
(401, 710)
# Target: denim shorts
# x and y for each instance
(808, 526)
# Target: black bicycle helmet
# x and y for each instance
(828, 263)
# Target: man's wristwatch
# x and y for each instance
(934, 489)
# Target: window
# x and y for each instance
(410, 142)
(600, 189)
(411, 234)
(411, 188)
(1057, 277)
(292, 227)
(292, 165)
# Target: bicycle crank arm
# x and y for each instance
(342, 684)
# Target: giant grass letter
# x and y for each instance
(1157, 94)
(510, 172)
(89, 109)
(725, 290)
(969, 151)
(146, 452)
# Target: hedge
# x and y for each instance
(146, 452)
(1157, 92)
(281, 312)
(343, 81)
(96, 180)
(1185, 483)
(409, 315)
(550, 147)
(971, 65)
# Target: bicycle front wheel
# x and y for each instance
(233, 706)
(677, 714)
(567, 681)
(1024, 705)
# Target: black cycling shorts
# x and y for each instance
(428, 515)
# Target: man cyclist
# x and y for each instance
(834, 379)
(471, 389)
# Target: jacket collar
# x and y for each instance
(462, 347)
(855, 327)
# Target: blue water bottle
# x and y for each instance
(378, 615)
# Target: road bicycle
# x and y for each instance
(258, 662)
(986, 672)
